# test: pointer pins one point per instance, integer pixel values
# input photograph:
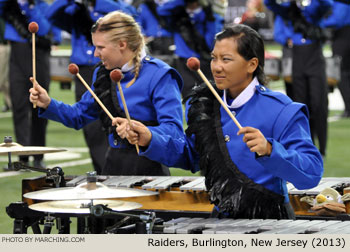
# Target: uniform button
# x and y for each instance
(227, 138)
(115, 142)
(262, 88)
(233, 113)
(147, 58)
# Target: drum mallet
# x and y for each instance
(33, 27)
(74, 69)
(116, 76)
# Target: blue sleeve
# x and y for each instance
(166, 9)
(211, 29)
(339, 16)
(173, 151)
(283, 30)
(56, 35)
(37, 14)
(294, 157)
(73, 116)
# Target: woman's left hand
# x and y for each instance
(255, 141)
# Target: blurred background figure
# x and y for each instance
(4, 68)
(194, 25)
(135, 3)
(283, 32)
(309, 70)
(29, 128)
(339, 22)
(77, 18)
(158, 37)
(254, 16)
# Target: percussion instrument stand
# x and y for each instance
(8, 139)
(56, 173)
(24, 218)
(48, 224)
(147, 218)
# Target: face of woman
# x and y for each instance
(110, 53)
(230, 70)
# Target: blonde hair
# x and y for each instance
(121, 26)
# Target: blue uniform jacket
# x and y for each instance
(313, 13)
(155, 96)
(285, 125)
(61, 14)
(283, 30)
(34, 14)
(340, 15)
(149, 23)
(207, 29)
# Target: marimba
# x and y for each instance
(183, 205)
(183, 194)
(255, 226)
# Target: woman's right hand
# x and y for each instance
(38, 95)
(136, 133)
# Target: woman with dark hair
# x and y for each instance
(245, 169)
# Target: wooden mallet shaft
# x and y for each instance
(194, 65)
(33, 27)
(116, 76)
(74, 69)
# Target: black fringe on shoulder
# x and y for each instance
(232, 191)
(105, 90)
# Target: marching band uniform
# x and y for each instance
(154, 98)
(155, 28)
(29, 128)
(339, 20)
(235, 177)
(77, 19)
(309, 69)
(194, 33)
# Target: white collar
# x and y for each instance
(127, 67)
(244, 96)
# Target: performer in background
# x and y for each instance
(29, 128)
(151, 90)
(245, 169)
(282, 34)
(339, 21)
(309, 67)
(4, 68)
(194, 27)
(76, 18)
(159, 39)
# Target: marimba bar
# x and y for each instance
(254, 226)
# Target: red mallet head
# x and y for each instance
(73, 69)
(33, 27)
(116, 75)
(193, 64)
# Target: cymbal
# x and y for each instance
(86, 191)
(82, 206)
(17, 149)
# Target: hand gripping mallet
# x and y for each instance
(194, 65)
(33, 27)
(116, 76)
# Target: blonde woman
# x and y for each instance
(151, 89)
